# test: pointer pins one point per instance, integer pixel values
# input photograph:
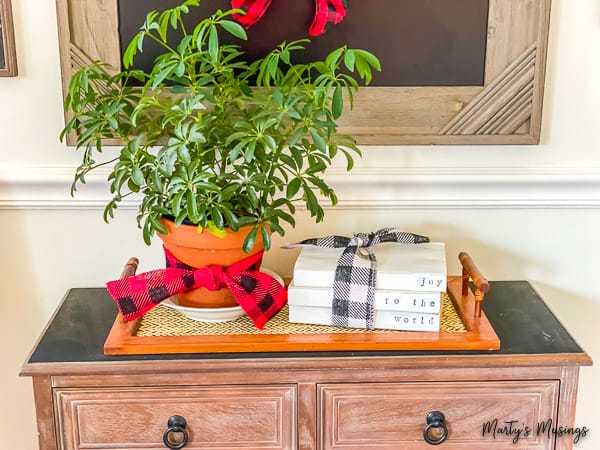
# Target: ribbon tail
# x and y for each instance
(395, 235)
(332, 241)
(260, 295)
(354, 289)
(327, 12)
(137, 295)
(253, 11)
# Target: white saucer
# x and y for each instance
(213, 314)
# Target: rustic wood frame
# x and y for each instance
(507, 109)
(8, 40)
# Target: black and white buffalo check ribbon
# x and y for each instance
(356, 273)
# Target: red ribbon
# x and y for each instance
(326, 12)
(259, 294)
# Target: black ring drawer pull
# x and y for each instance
(176, 424)
(435, 419)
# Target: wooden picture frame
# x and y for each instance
(8, 54)
(506, 109)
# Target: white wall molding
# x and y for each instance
(468, 187)
(28, 187)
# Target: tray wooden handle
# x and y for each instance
(128, 271)
(130, 267)
(470, 271)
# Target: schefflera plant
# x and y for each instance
(208, 138)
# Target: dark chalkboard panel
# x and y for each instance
(419, 42)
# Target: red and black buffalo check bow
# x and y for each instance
(259, 294)
(326, 12)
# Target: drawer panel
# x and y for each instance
(232, 417)
(393, 416)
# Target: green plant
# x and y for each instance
(207, 137)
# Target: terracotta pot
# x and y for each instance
(201, 249)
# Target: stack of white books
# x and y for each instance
(408, 292)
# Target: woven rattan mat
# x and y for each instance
(165, 321)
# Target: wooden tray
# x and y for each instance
(479, 334)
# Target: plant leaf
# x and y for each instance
(266, 236)
(370, 58)
(337, 105)
(213, 43)
(292, 188)
(250, 239)
(349, 60)
(235, 29)
(214, 229)
(137, 176)
(318, 140)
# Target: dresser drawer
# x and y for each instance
(393, 416)
(232, 417)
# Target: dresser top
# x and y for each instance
(523, 322)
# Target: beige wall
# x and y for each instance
(523, 212)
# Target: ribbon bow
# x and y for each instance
(356, 273)
(326, 12)
(260, 295)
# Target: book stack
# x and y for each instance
(408, 292)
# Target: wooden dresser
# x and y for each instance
(343, 400)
